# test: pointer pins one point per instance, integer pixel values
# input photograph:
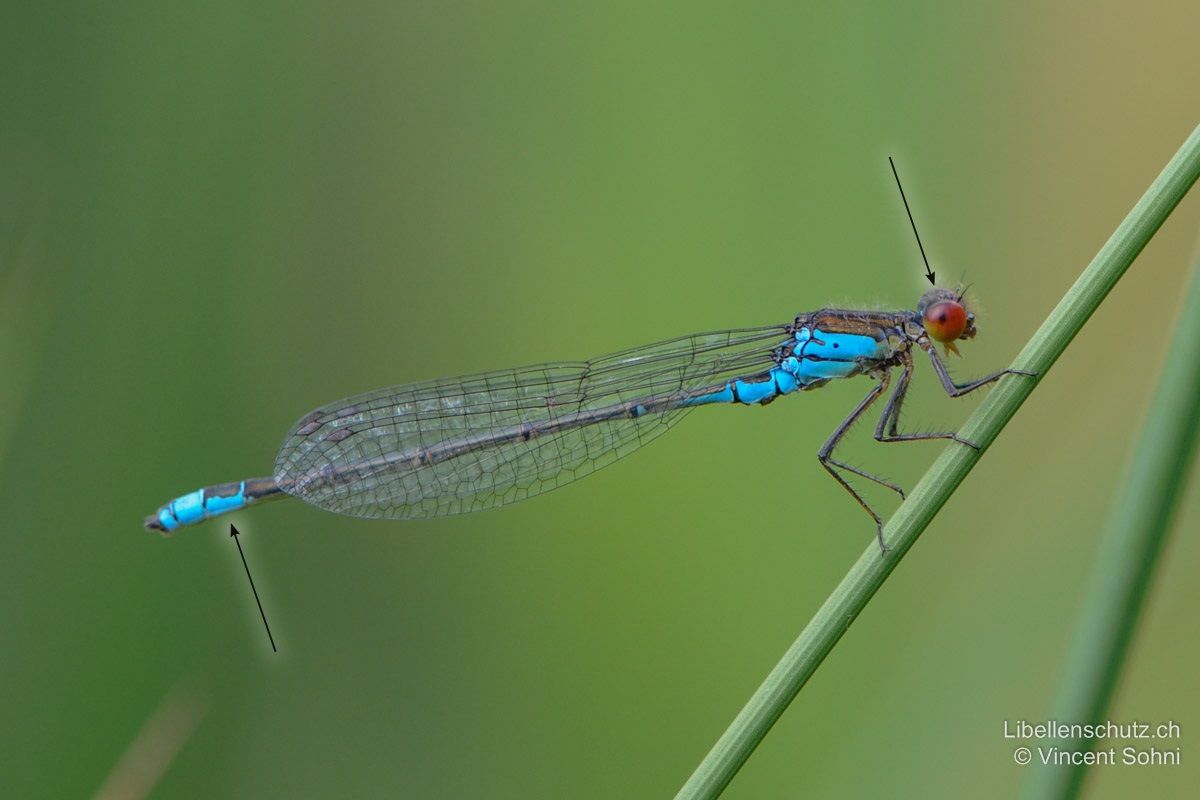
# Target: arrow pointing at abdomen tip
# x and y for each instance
(929, 274)
(234, 533)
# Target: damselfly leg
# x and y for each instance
(886, 430)
(832, 465)
(959, 389)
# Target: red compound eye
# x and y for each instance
(945, 321)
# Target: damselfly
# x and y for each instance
(481, 441)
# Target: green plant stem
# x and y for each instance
(866, 576)
(1133, 539)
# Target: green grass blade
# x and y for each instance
(866, 576)
(1133, 539)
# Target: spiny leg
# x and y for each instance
(885, 431)
(844, 428)
(959, 389)
(831, 465)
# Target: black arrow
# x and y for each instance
(928, 272)
(233, 532)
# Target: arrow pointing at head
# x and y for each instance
(929, 274)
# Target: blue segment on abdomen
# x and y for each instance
(189, 508)
(219, 505)
(196, 507)
(166, 519)
(724, 395)
(776, 382)
(786, 381)
(755, 391)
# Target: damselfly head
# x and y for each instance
(946, 318)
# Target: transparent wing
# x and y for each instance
(485, 440)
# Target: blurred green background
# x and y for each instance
(217, 218)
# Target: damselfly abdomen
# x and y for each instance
(481, 441)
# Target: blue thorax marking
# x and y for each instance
(822, 356)
(838, 346)
(818, 356)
